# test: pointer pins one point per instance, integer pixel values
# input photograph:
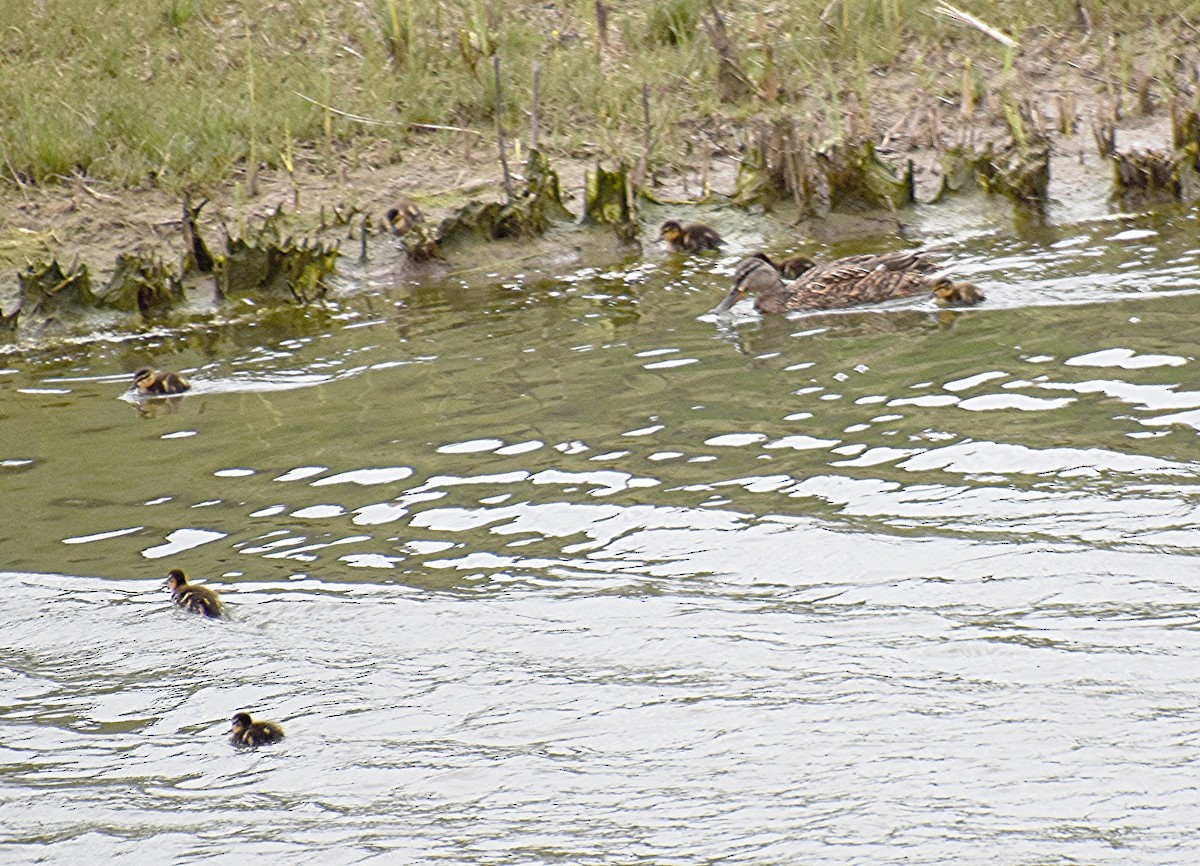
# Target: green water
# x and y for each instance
(551, 566)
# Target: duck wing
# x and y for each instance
(865, 279)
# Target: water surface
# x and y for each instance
(549, 566)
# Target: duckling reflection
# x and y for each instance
(152, 407)
(150, 382)
(247, 733)
(197, 599)
(694, 238)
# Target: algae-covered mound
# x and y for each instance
(268, 266)
(48, 293)
(608, 200)
(525, 215)
(142, 285)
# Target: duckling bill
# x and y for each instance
(846, 282)
(245, 732)
(694, 238)
(158, 382)
(197, 599)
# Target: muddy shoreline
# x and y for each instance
(85, 219)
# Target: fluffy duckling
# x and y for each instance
(848, 282)
(958, 294)
(158, 382)
(694, 238)
(197, 599)
(245, 732)
(401, 219)
(789, 268)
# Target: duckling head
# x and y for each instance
(176, 580)
(755, 274)
(239, 724)
(670, 231)
(142, 377)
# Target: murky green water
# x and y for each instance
(554, 568)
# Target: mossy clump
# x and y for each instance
(143, 285)
(608, 201)
(858, 176)
(48, 293)
(270, 266)
(528, 214)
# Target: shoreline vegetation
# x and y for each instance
(175, 140)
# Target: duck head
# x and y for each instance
(142, 377)
(755, 274)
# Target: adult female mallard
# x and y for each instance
(158, 382)
(197, 599)
(848, 282)
(694, 238)
(245, 732)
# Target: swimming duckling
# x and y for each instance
(790, 267)
(156, 382)
(847, 282)
(197, 599)
(400, 220)
(694, 238)
(959, 294)
(247, 733)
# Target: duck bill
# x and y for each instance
(735, 295)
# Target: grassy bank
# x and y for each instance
(194, 91)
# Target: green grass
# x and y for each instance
(162, 89)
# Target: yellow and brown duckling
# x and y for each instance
(197, 599)
(694, 238)
(245, 732)
(401, 219)
(958, 294)
(790, 267)
(848, 282)
(155, 383)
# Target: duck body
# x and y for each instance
(197, 599)
(245, 732)
(152, 383)
(846, 282)
(694, 238)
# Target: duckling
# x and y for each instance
(694, 238)
(959, 294)
(156, 382)
(401, 219)
(790, 267)
(847, 282)
(197, 599)
(245, 732)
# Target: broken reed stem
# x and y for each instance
(533, 114)
(643, 166)
(508, 186)
(982, 26)
(252, 162)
